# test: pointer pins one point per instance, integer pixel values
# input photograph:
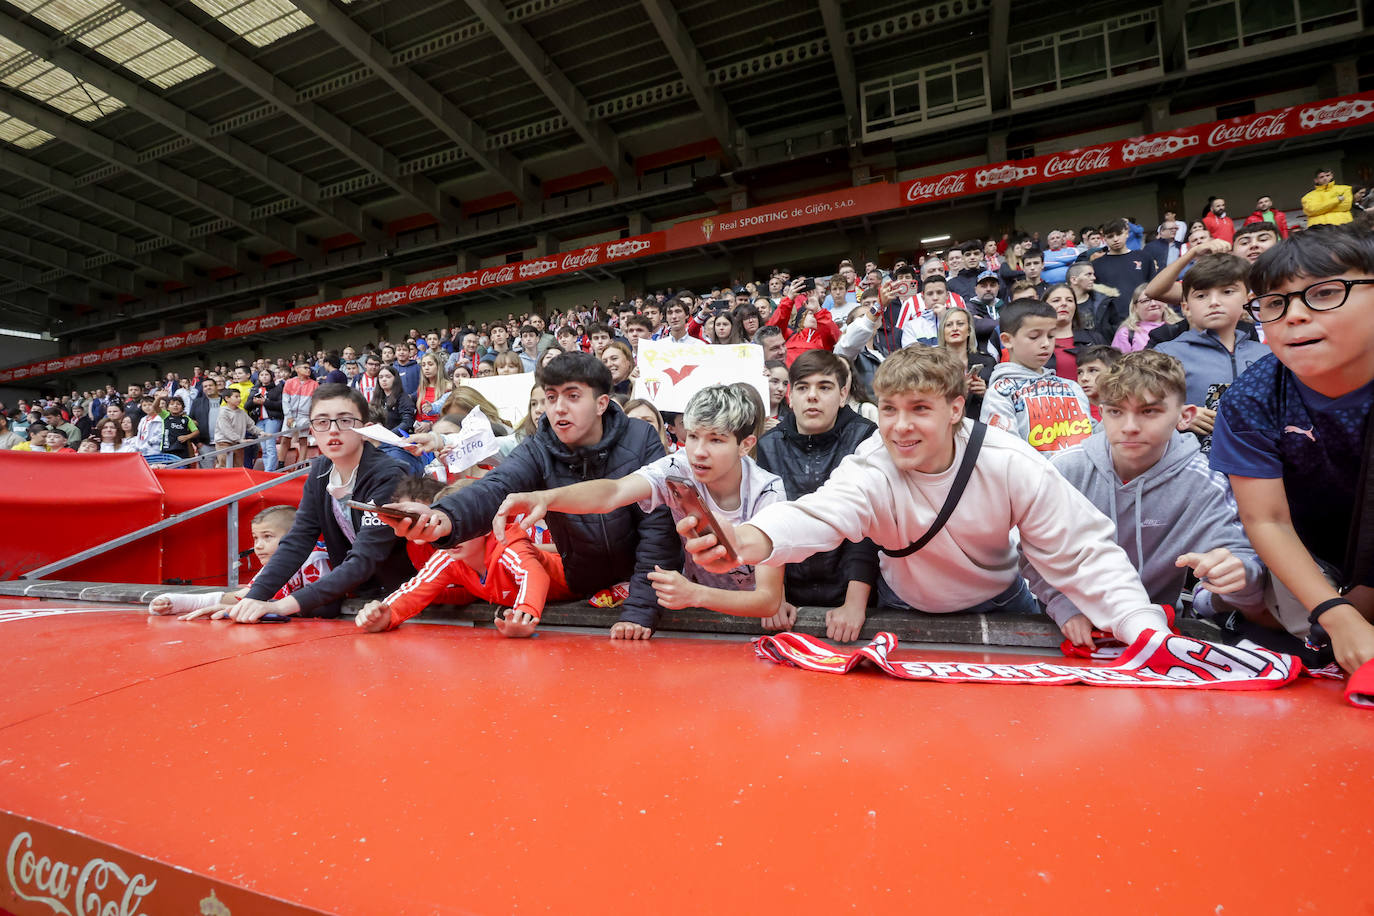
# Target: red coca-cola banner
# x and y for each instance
(788, 214)
(1249, 130)
(1267, 127)
(600, 254)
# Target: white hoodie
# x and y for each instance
(972, 559)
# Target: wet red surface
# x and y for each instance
(445, 770)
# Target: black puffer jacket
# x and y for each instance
(371, 565)
(598, 550)
(804, 463)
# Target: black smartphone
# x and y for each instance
(692, 504)
(382, 511)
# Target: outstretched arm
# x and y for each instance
(590, 497)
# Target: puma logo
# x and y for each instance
(1300, 431)
(677, 375)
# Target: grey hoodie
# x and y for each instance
(1178, 506)
(1207, 362)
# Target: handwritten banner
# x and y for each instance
(670, 373)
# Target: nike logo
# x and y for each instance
(1300, 431)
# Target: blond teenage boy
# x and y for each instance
(894, 486)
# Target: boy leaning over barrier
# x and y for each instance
(509, 572)
(1171, 510)
(1291, 433)
(582, 436)
(269, 526)
(894, 488)
(721, 422)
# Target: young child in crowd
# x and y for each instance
(1212, 351)
(177, 430)
(511, 573)
(894, 486)
(231, 427)
(269, 526)
(1024, 397)
(1172, 512)
(1092, 362)
(721, 421)
(1291, 434)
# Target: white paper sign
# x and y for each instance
(474, 443)
(509, 393)
(670, 373)
(379, 433)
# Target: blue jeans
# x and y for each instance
(269, 446)
(1015, 599)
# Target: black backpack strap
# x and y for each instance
(956, 491)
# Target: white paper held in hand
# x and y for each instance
(379, 433)
(476, 442)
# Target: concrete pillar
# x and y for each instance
(638, 224)
(997, 146)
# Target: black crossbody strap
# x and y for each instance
(956, 491)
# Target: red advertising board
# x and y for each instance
(51, 871)
(1265, 127)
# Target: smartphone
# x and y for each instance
(902, 289)
(692, 504)
(393, 514)
(806, 285)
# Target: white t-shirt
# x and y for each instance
(757, 488)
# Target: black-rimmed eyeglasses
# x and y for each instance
(1319, 297)
(321, 424)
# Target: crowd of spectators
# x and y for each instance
(1039, 327)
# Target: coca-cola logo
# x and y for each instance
(1002, 175)
(243, 327)
(198, 337)
(579, 259)
(129, 350)
(71, 362)
(97, 887)
(537, 268)
(1335, 113)
(21, 373)
(1079, 163)
(90, 358)
(424, 291)
(458, 284)
(6, 375)
(53, 365)
(389, 297)
(299, 316)
(175, 341)
(328, 310)
(627, 248)
(153, 346)
(272, 321)
(944, 186)
(1256, 130)
(503, 275)
(1156, 147)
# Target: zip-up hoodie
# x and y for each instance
(1037, 406)
(1207, 362)
(1178, 506)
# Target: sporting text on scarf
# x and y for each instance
(1156, 659)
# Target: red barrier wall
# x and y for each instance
(58, 505)
(196, 548)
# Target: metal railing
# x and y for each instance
(299, 469)
(242, 444)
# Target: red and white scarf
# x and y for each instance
(1156, 659)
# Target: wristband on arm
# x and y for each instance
(1317, 637)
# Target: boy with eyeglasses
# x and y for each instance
(366, 560)
(1290, 434)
